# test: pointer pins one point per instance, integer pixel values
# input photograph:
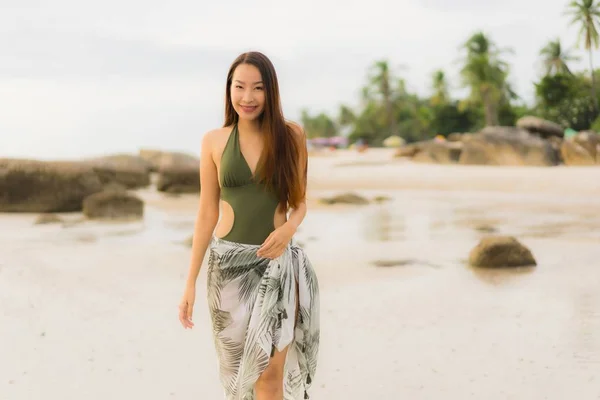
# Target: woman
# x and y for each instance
(263, 294)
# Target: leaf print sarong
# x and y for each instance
(252, 303)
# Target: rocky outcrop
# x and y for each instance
(160, 160)
(45, 186)
(128, 170)
(507, 146)
(179, 180)
(581, 149)
(500, 251)
(432, 151)
(113, 205)
(540, 126)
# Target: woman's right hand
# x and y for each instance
(186, 307)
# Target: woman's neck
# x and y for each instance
(250, 126)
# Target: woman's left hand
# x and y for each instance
(275, 244)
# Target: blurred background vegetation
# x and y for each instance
(562, 95)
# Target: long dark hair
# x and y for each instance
(279, 166)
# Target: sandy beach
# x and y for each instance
(88, 310)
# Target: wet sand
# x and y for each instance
(89, 310)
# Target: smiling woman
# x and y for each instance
(262, 290)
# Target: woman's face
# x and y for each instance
(247, 92)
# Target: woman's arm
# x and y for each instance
(297, 214)
(276, 242)
(208, 209)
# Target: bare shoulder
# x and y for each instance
(215, 139)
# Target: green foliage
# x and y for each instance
(566, 100)
(387, 107)
(320, 125)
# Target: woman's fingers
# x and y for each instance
(266, 247)
(183, 313)
(190, 311)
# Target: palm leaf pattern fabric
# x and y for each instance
(252, 303)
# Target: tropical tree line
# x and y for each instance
(388, 108)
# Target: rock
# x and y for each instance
(128, 170)
(114, 187)
(179, 180)
(500, 251)
(113, 205)
(507, 146)
(574, 154)
(455, 137)
(407, 150)
(48, 218)
(346, 198)
(392, 263)
(485, 228)
(581, 149)
(45, 186)
(381, 199)
(433, 151)
(159, 160)
(540, 126)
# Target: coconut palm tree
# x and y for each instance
(380, 84)
(586, 14)
(555, 58)
(440, 88)
(485, 74)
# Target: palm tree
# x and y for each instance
(586, 13)
(555, 58)
(440, 88)
(486, 75)
(380, 82)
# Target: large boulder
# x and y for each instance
(581, 149)
(540, 126)
(160, 160)
(128, 170)
(441, 152)
(432, 151)
(45, 186)
(507, 146)
(113, 205)
(500, 251)
(179, 180)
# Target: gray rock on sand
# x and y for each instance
(432, 151)
(128, 170)
(45, 186)
(540, 126)
(500, 145)
(581, 149)
(179, 180)
(113, 205)
(168, 159)
(48, 218)
(345, 198)
(178, 172)
(500, 251)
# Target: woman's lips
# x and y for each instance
(248, 109)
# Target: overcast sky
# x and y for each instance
(83, 78)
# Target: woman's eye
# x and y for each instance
(259, 88)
